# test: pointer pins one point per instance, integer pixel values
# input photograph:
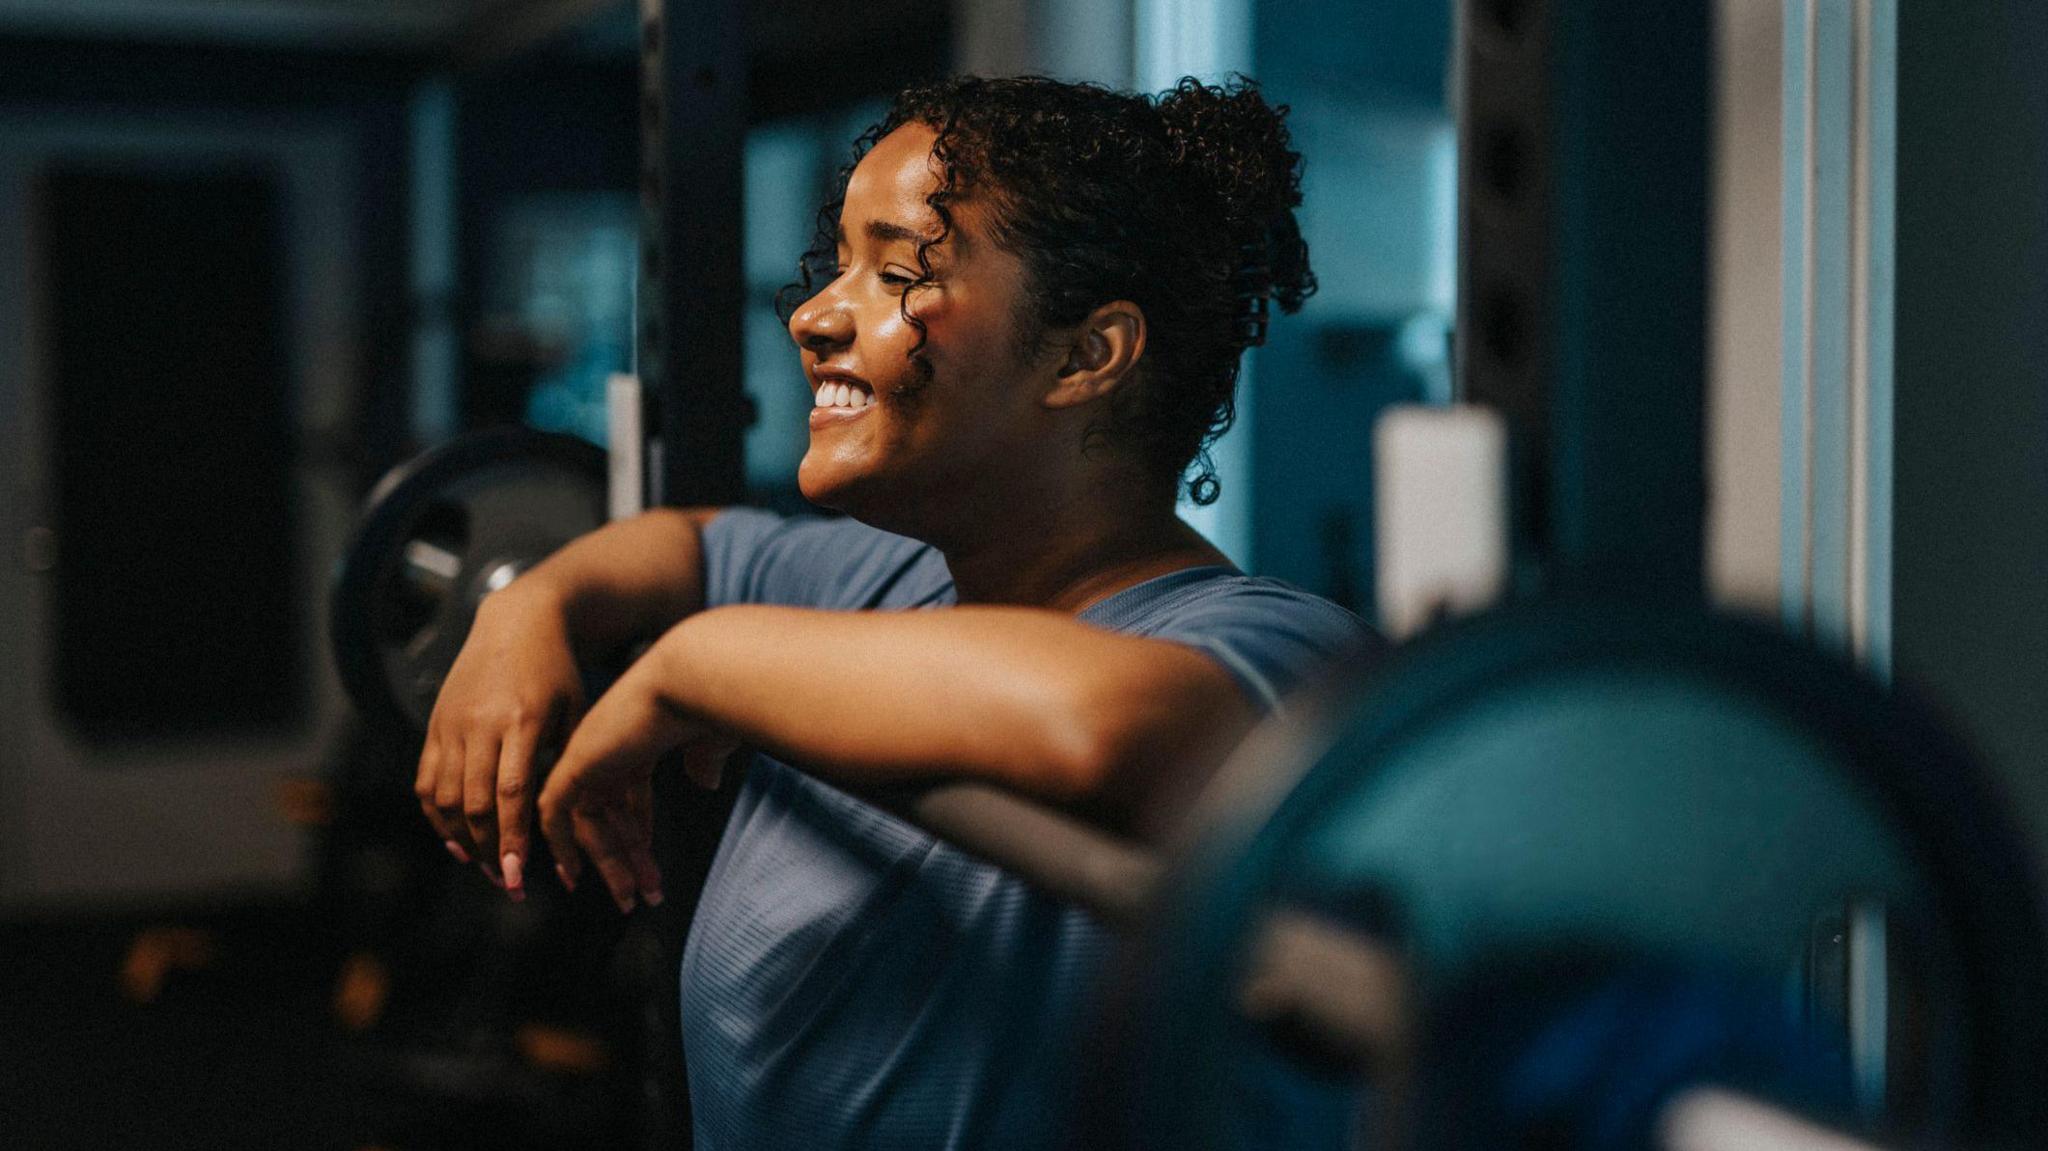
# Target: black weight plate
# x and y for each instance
(1453, 805)
(436, 534)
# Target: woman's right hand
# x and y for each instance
(513, 694)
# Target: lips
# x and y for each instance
(840, 395)
(821, 376)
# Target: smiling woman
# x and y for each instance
(1029, 326)
(1181, 207)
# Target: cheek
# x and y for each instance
(957, 334)
(891, 330)
(891, 337)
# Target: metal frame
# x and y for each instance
(1582, 281)
(691, 330)
(1840, 153)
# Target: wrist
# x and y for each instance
(667, 663)
(532, 599)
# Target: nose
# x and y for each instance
(822, 323)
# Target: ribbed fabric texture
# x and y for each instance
(851, 982)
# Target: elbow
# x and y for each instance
(1131, 738)
(1085, 756)
(1145, 767)
(1118, 751)
(1086, 752)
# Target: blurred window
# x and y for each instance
(1367, 84)
(792, 166)
(559, 294)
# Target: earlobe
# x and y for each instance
(1104, 350)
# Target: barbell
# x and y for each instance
(1465, 896)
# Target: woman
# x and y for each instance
(1030, 326)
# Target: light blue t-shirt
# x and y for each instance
(849, 980)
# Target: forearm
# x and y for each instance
(1034, 701)
(626, 581)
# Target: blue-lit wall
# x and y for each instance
(1367, 86)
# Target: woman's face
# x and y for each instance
(890, 442)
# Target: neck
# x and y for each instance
(1068, 554)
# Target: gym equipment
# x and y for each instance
(1623, 847)
(439, 533)
(691, 331)
(1637, 788)
(1726, 858)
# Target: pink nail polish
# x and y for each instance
(653, 898)
(562, 873)
(455, 849)
(515, 877)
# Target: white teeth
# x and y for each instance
(842, 396)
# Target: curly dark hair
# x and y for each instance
(1182, 204)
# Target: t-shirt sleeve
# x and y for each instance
(1271, 637)
(754, 556)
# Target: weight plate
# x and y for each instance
(437, 534)
(1616, 779)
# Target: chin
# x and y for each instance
(859, 496)
(823, 496)
(828, 487)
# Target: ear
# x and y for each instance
(1101, 354)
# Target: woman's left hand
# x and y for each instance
(600, 796)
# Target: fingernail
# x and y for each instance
(515, 877)
(455, 849)
(653, 898)
(626, 905)
(562, 873)
(491, 875)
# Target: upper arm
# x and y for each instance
(1212, 669)
(758, 557)
(1266, 637)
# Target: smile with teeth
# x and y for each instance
(853, 397)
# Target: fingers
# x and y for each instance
(634, 825)
(558, 828)
(480, 798)
(574, 829)
(426, 788)
(608, 853)
(614, 832)
(514, 794)
(452, 823)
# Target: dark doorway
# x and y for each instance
(170, 437)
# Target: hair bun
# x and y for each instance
(1233, 142)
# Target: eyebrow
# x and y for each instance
(885, 231)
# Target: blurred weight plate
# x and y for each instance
(1665, 788)
(438, 533)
